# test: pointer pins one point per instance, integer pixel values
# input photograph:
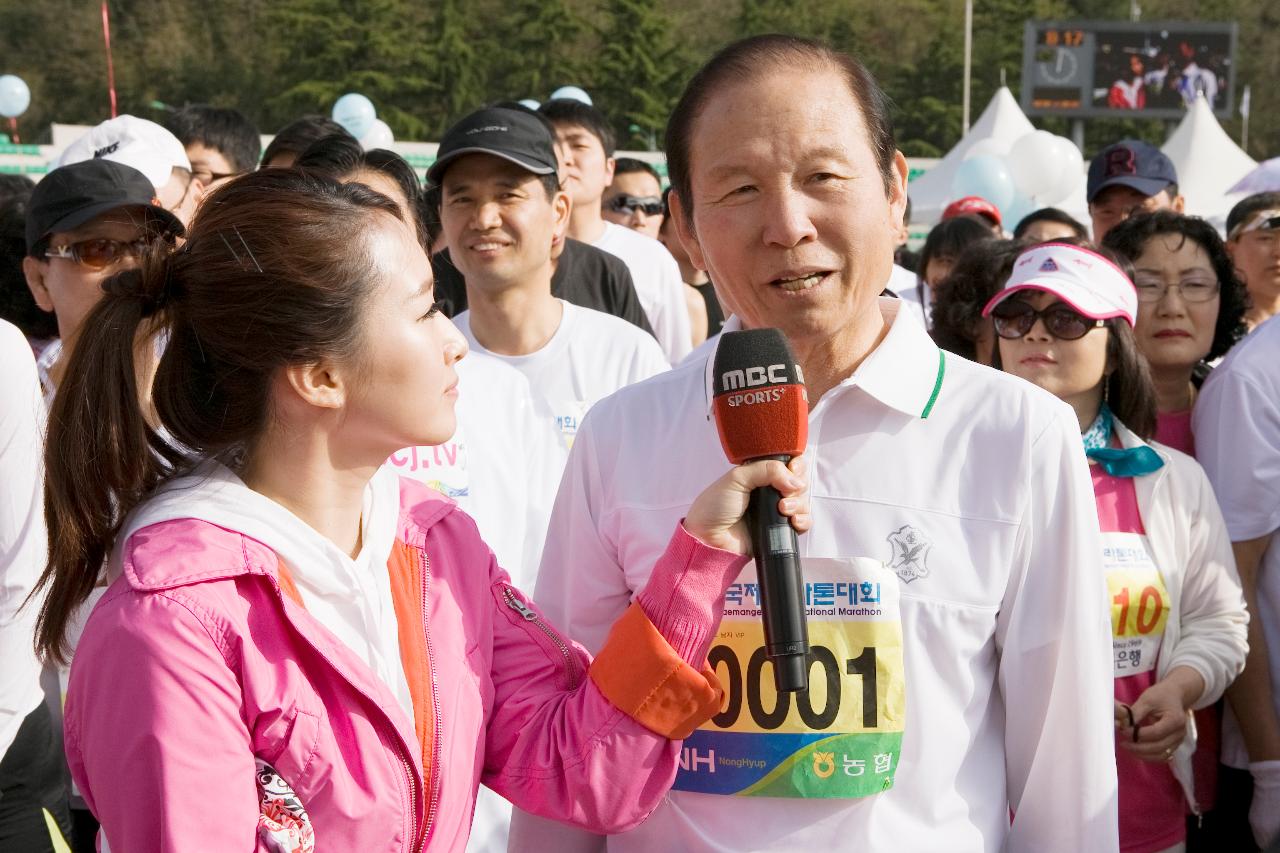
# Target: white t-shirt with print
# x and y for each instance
(658, 285)
(1237, 427)
(590, 356)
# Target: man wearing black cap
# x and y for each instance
(86, 221)
(501, 209)
(1130, 177)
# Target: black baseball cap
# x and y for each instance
(71, 195)
(517, 136)
(1131, 163)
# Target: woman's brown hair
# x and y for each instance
(274, 273)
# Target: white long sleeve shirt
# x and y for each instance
(22, 533)
(1006, 656)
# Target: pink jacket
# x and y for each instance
(196, 662)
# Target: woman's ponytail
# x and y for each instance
(101, 455)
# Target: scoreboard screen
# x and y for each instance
(1111, 68)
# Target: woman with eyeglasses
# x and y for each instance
(1191, 307)
(1064, 321)
(298, 649)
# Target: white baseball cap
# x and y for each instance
(133, 141)
(1085, 280)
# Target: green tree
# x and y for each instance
(640, 68)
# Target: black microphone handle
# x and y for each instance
(778, 573)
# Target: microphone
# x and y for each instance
(762, 412)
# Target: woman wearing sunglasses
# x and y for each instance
(1191, 307)
(299, 650)
(85, 222)
(1064, 321)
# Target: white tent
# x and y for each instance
(1002, 121)
(1208, 163)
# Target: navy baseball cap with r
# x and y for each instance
(516, 136)
(1131, 163)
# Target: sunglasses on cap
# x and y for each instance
(99, 253)
(1013, 319)
(1268, 220)
(650, 205)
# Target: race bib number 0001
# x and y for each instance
(841, 738)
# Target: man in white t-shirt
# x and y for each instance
(585, 144)
(501, 209)
(960, 681)
(1237, 429)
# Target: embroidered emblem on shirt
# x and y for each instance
(910, 552)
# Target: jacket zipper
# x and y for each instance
(530, 615)
(406, 765)
(437, 724)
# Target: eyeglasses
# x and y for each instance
(1152, 288)
(1014, 319)
(650, 205)
(97, 254)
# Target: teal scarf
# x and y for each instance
(1117, 461)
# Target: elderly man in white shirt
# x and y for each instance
(960, 682)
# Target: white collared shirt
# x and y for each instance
(1007, 651)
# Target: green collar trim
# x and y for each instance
(937, 385)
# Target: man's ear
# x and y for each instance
(685, 231)
(1179, 203)
(319, 384)
(34, 269)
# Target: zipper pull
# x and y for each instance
(519, 606)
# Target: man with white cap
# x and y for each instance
(1253, 241)
(149, 148)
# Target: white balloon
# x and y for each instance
(1033, 161)
(379, 136)
(1071, 175)
(987, 148)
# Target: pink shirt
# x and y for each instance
(1173, 429)
(1152, 805)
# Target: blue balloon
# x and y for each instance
(1017, 210)
(355, 113)
(530, 103)
(571, 93)
(984, 176)
(15, 97)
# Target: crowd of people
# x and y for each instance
(343, 511)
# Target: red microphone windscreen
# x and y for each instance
(760, 404)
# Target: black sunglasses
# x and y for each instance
(1013, 319)
(651, 205)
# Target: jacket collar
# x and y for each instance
(185, 550)
(904, 372)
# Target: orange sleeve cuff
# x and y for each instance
(639, 672)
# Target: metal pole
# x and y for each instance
(968, 63)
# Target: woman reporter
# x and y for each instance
(1064, 322)
(297, 647)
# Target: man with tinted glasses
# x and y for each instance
(86, 222)
(634, 198)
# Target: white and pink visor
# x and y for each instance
(1085, 280)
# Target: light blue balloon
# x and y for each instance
(355, 113)
(984, 176)
(530, 103)
(572, 93)
(15, 97)
(1017, 210)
